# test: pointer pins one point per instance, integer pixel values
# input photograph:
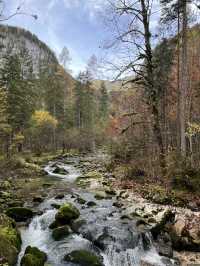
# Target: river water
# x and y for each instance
(103, 232)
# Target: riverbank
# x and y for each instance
(30, 186)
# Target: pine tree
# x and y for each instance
(103, 102)
(5, 128)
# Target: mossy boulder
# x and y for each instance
(15, 203)
(60, 196)
(19, 214)
(91, 204)
(83, 258)
(33, 257)
(81, 200)
(60, 171)
(55, 206)
(60, 232)
(10, 240)
(38, 199)
(102, 195)
(67, 213)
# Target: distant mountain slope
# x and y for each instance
(14, 40)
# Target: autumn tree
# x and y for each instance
(131, 20)
(103, 102)
(179, 11)
(5, 128)
(43, 125)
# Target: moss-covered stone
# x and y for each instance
(33, 257)
(83, 258)
(60, 196)
(67, 213)
(19, 214)
(10, 240)
(91, 204)
(12, 235)
(81, 200)
(55, 206)
(54, 225)
(15, 203)
(31, 260)
(60, 232)
(102, 195)
(8, 252)
(60, 171)
(38, 199)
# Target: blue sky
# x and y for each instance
(76, 24)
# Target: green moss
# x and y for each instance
(33, 257)
(10, 240)
(31, 260)
(60, 232)
(36, 252)
(12, 235)
(66, 213)
(81, 200)
(83, 258)
(8, 252)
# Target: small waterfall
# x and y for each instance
(72, 173)
(132, 257)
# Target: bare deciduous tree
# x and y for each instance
(131, 20)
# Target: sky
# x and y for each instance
(76, 24)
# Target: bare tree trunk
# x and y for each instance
(178, 84)
(184, 80)
(150, 83)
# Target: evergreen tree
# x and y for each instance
(103, 102)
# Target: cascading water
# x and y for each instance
(104, 232)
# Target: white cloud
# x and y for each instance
(93, 7)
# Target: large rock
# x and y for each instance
(60, 171)
(185, 232)
(60, 232)
(67, 213)
(164, 245)
(83, 258)
(163, 218)
(19, 214)
(10, 240)
(33, 257)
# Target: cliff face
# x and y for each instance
(14, 40)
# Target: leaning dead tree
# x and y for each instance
(132, 37)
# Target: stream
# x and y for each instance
(103, 232)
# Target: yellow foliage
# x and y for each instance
(193, 129)
(42, 118)
(19, 138)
